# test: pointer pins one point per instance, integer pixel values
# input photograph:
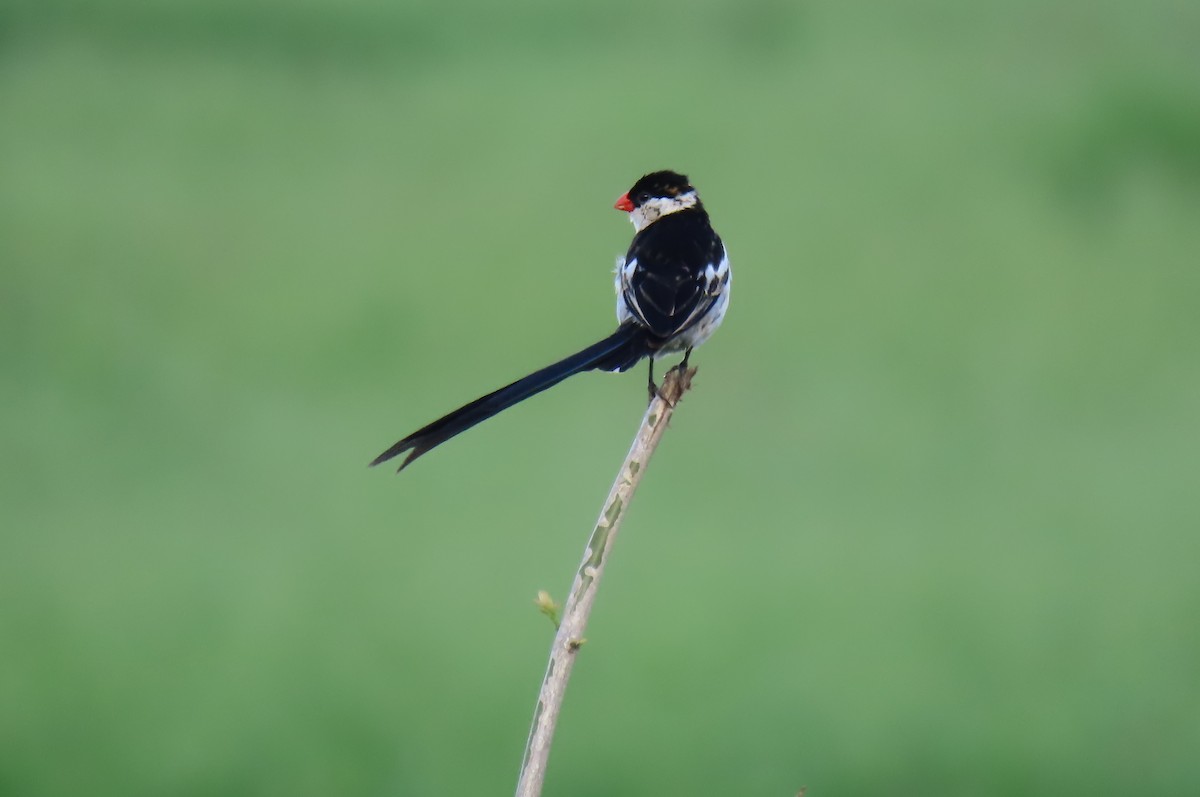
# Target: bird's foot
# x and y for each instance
(653, 392)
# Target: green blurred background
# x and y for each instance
(928, 523)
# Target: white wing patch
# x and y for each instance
(716, 277)
(624, 274)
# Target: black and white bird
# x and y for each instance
(672, 293)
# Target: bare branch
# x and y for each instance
(570, 637)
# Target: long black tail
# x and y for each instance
(618, 352)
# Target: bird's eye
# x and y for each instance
(643, 197)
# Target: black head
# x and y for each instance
(658, 194)
(662, 184)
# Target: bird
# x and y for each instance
(672, 287)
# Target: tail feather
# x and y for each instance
(618, 352)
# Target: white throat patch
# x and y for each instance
(656, 207)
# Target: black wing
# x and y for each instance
(677, 258)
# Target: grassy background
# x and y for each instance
(928, 524)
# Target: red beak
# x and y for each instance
(624, 204)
